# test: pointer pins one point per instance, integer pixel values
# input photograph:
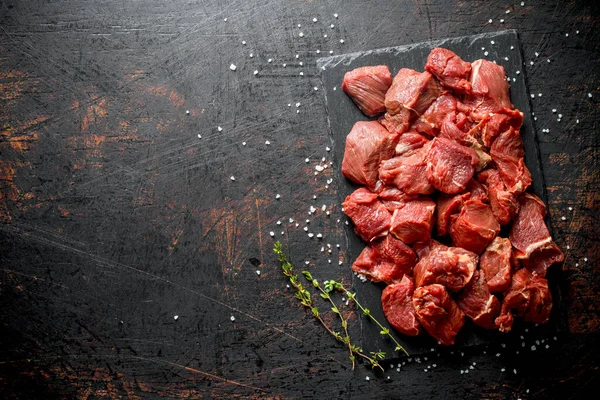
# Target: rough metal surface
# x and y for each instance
(115, 216)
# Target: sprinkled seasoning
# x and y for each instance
(590, 95)
(232, 178)
(489, 21)
(301, 34)
(315, 20)
(255, 72)
(257, 272)
(335, 15)
(278, 196)
(341, 40)
(301, 73)
(187, 112)
(232, 318)
(199, 136)
(176, 317)
(232, 67)
(316, 88)
(225, 19)
(330, 51)
(492, 42)
(270, 60)
(284, 65)
(501, 21)
(243, 143)
(272, 233)
(332, 26)
(318, 51)
(219, 128)
(251, 55)
(267, 142)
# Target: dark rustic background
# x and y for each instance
(118, 211)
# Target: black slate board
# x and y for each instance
(343, 113)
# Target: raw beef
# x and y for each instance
(477, 191)
(408, 142)
(530, 236)
(367, 144)
(413, 222)
(448, 205)
(450, 69)
(450, 166)
(497, 263)
(476, 301)
(431, 121)
(504, 204)
(412, 90)
(370, 217)
(394, 198)
(407, 173)
(438, 313)
(507, 152)
(398, 308)
(397, 123)
(454, 127)
(386, 259)
(489, 89)
(452, 267)
(527, 296)
(475, 227)
(499, 122)
(367, 86)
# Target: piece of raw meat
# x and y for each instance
(408, 142)
(527, 296)
(489, 89)
(367, 86)
(450, 69)
(412, 90)
(504, 204)
(454, 127)
(407, 173)
(398, 308)
(475, 227)
(448, 205)
(413, 222)
(477, 191)
(385, 259)
(367, 144)
(497, 263)
(499, 122)
(438, 313)
(398, 123)
(450, 166)
(394, 198)
(452, 267)
(476, 301)
(507, 152)
(370, 217)
(530, 237)
(431, 121)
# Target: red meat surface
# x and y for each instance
(507, 152)
(450, 166)
(412, 90)
(367, 144)
(499, 122)
(489, 89)
(367, 86)
(409, 142)
(448, 205)
(454, 127)
(394, 198)
(438, 313)
(397, 123)
(504, 204)
(527, 296)
(431, 121)
(451, 267)
(475, 227)
(370, 217)
(413, 222)
(398, 308)
(407, 173)
(476, 301)
(450, 69)
(477, 191)
(530, 237)
(497, 263)
(385, 259)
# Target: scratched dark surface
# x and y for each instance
(115, 216)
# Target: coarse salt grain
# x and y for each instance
(490, 20)
(301, 34)
(272, 233)
(232, 318)
(314, 20)
(267, 142)
(335, 15)
(255, 72)
(243, 143)
(219, 128)
(341, 40)
(257, 272)
(589, 95)
(199, 136)
(492, 42)
(232, 67)
(316, 88)
(232, 178)
(270, 60)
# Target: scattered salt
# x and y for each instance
(255, 72)
(257, 272)
(232, 318)
(490, 21)
(232, 67)
(232, 178)
(314, 20)
(270, 60)
(176, 317)
(301, 34)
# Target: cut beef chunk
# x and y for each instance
(530, 236)
(397, 123)
(370, 217)
(450, 166)
(386, 259)
(367, 87)
(398, 307)
(507, 152)
(475, 227)
(489, 89)
(413, 222)
(407, 173)
(454, 127)
(367, 144)
(431, 121)
(450, 69)
(477, 191)
(438, 313)
(424, 248)
(448, 205)
(452, 267)
(497, 263)
(504, 204)
(499, 122)
(476, 301)
(409, 142)
(527, 296)
(394, 198)
(412, 90)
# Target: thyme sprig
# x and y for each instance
(325, 291)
